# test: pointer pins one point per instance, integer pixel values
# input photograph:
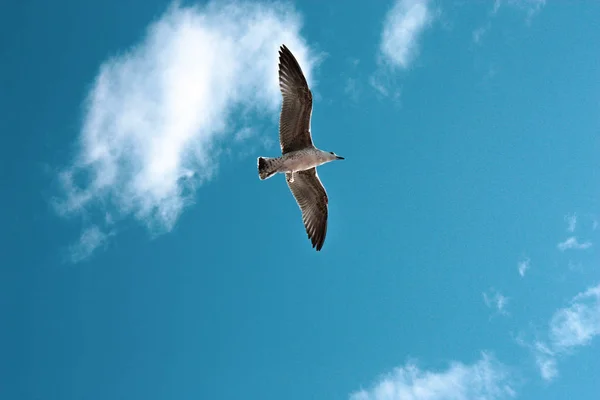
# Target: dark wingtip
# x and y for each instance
(285, 51)
(318, 243)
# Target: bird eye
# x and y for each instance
(331, 152)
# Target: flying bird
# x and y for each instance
(299, 157)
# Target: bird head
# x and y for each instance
(331, 156)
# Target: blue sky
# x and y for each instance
(144, 259)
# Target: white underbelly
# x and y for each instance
(301, 163)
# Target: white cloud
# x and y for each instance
(486, 379)
(577, 324)
(494, 299)
(523, 266)
(570, 327)
(573, 243)
(402, 29)
(154, 113)
(571, 221)
(91, 238)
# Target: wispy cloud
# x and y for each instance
(385, 85)
(351, 89)
(545, 361)
(571, 220)
(479, 32)
(496, 300)
(402, 29)
(569, 328)
(523, 266)
(574, 244)
(530, 7)
(353, 85)
(486, 379)
(244, 134)
(152, 116)
(91, 238)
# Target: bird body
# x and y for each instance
(299, 157)
(299, 160)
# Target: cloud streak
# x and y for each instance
(530, 7)
(403, 27)
(91, 238)
(480, 32)
(571, 221)
(155, 114)
(523, 266)
(572, 243)
(496, 300)
(486, 379)
(545, 361)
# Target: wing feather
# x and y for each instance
(296, 109)
(312, 200)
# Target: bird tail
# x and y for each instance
(267, 167)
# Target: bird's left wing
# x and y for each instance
(312, 200)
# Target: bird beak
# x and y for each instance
(339, 158)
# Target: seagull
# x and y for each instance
(299, 157)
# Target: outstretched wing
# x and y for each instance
(294, 121)
(312, 199)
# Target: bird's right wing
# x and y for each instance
(294, 121)
(312, 200)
